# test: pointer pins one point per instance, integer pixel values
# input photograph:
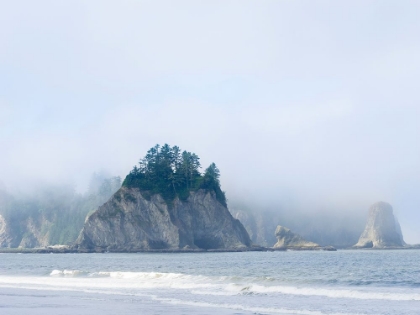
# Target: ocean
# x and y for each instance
(292, 282)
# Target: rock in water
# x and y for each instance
(133, 221)
(288, 239)
(382, 229)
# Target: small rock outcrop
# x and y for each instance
(288, 239)
(132, 220)
(382, 229)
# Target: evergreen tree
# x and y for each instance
(212, 173)
(167, 171)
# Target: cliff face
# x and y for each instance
(382, 229)
(286, 238)
(6, 237)
(50, 215)
(132, 221)
(260, 226)
(27, 233)
(20, 229)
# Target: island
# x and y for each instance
(165, 204)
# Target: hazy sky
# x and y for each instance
(313, 103)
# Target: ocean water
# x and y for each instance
(307, 283)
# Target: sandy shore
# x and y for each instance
(17, 301)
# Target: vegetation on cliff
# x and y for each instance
(172, 173)
(51, 214)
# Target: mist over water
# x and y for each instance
(309, 110)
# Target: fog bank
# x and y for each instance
(305, 106)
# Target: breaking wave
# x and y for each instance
(228, 286)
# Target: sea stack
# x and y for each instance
(288, 239)
(382, 229)
(132, 221)
(165, 204)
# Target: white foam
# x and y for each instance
(203, 285)
(67, 273)
(334, 293)
(56, 273)
(337, 293)
(257, 310)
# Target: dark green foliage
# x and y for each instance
(168, 172)
(210, 181)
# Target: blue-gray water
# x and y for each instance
(343, 282)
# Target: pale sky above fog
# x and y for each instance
(312, 103)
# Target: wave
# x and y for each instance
(333, 293)
(67, 273)
(155, 276)
(255, 310)
(230, 286)
(254, 289)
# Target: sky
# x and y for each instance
(305, 104)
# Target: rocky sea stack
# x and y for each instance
(130, 221)
(289, 240)
(286, 238)
(382, 229)
(166, 204)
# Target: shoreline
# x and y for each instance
(70, 250)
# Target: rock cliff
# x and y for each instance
(50, 215)
(382, 229)
(288, 239)
(18, 229)
(28, 233)
(6, 237)
(259, 225)
(132, 220)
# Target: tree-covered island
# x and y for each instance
(172, 173)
